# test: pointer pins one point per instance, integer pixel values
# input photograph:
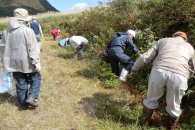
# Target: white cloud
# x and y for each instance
(78, 6)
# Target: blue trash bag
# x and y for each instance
(6, 83)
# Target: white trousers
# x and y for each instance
(176, 85)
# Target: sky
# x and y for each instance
(71, 5)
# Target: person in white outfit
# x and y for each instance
(173, 65)
(78, 43)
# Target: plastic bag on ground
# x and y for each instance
(6, 83)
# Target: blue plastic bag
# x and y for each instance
(6, 83)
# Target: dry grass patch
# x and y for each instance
(47, 14)
(69, 100)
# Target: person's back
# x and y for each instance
(77, 40)
(16, 54)
(35, 27)
(123, 41)
(55, 33)
(173, 65)
(174, 54)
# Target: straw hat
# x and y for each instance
(21, 14)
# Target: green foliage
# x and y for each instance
(165, 17)
(3, 26)
(152, 20)
(191, 127)
(105, 74)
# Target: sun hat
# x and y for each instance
(180, 34)
(34, 18)
(21, 14)
(132, 32)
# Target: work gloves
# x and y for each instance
(37, 67)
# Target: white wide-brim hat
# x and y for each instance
(21, 14)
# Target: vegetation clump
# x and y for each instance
(152, 20)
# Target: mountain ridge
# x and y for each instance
(33, 6)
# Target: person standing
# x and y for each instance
(78, 43)
(55, 33)
(173, 65)
(19, 54)
(115, 50)
(36, 27)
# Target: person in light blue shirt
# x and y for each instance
(63, 42)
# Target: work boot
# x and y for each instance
(123, 74)
(146, 116)
(172, 122)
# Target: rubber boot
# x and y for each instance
(172, 122)
(123, 74)
(146, 116)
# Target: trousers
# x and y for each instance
(116, 56)
(176, 86)
(22, 80)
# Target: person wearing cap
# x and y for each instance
(19, 53)
(115, 50)
(55, 33)
(78, 43)
(173, 65)
(36, 27)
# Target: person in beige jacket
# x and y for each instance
(173, 65)
(19, 53)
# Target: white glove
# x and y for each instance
(38, 67)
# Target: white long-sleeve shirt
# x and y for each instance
(77, 40)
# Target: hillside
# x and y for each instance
(33, 6)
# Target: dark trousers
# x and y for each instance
(22, 80)
(116, 56)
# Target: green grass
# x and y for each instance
(70, 99)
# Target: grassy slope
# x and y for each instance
(68, 97)
(71, 98)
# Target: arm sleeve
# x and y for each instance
(132, 46)
(192, 66)
(40, 29)
(33, 47)
(145, 58)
